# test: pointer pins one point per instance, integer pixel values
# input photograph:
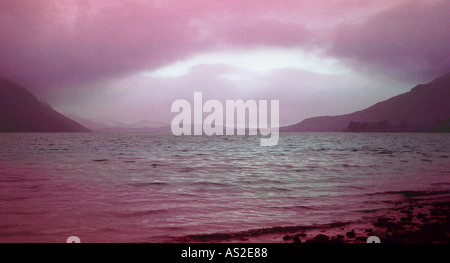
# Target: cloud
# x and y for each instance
(409, 42)
(51, 43)
(302, 94)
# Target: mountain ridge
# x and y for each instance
(143, 126)
(21, 111)
(420, 109)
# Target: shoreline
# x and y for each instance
(422, 217)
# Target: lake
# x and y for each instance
(159, 187)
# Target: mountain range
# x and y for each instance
(115, 126)
(425, 108)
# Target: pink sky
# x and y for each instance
(129, 60)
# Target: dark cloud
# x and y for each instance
(409, 42)
(72, 43)
(53, 43)
(46, 43)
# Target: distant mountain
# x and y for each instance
(424, 108)
(21, 111)
(149, 124)
(114, 126)
(135, 130)
(91, 125)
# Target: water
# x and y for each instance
(158, 187)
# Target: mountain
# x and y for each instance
(114, 126)
(138, 127)
(91, 125)
(425, 108)
(149, 124)
(21, 111)
(135, 130)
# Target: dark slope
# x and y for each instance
(424, 108)
(20, 111)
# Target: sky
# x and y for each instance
(129, 60)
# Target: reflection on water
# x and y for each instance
(154, 187)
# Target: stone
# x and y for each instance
(351, 234)
(321, 238)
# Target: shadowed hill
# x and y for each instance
(20, 111)
(425, 108)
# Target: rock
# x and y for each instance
(432, 228)
(297, 241)
(379, 233)
(420, 215)
(438, 212)
(351, 234)
(395, 227)
(433, 232)
(361, 238)
(394, 238)
(321, 238)
(337, 240)
(385, 222)
(412, 236)
(287, 237)
(405, 219)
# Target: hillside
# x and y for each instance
(21, 111)
(425, 108)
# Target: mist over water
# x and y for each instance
(157, 187)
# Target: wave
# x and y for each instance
(210, 184)
(148, 184)
(141, 213)
(294, 208)
(100, 160)
(14, 199)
